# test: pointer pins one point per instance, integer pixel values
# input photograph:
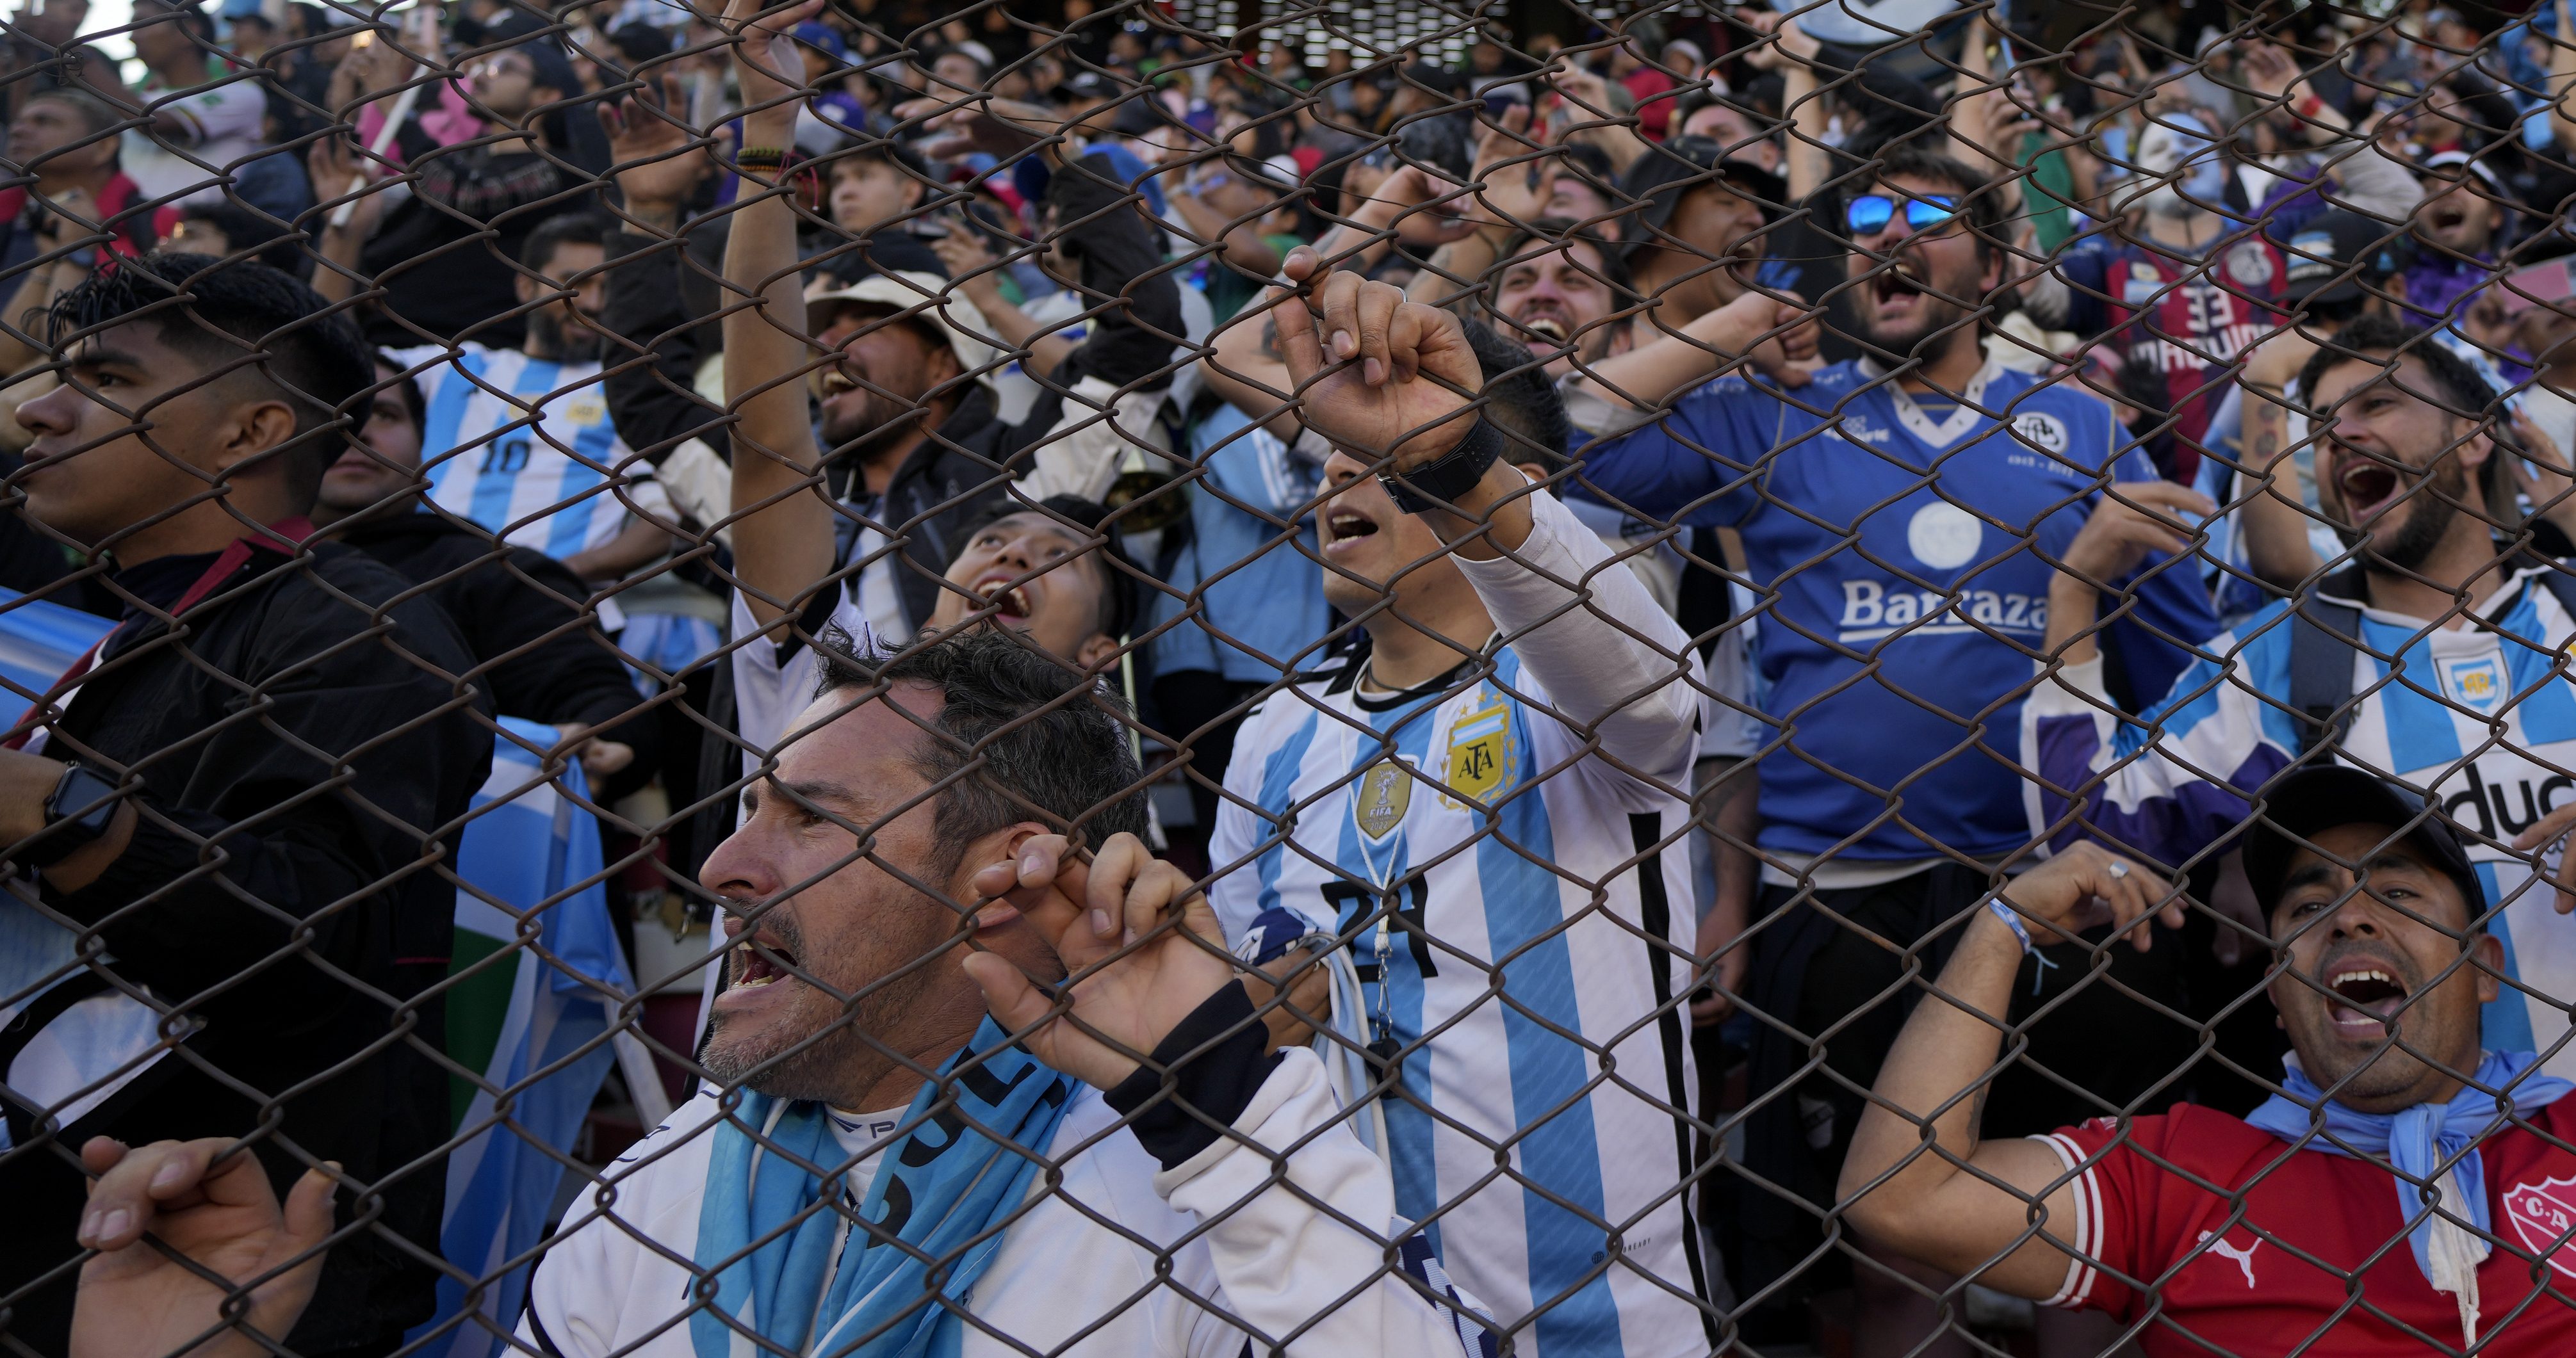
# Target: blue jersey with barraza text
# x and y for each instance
(1911, 543)
(524, 447)
(1525, 1001)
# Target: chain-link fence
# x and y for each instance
(854, 678)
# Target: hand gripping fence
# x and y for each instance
(1882, 678)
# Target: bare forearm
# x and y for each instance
(1650, 375)
(335, 278)
(1809, 161)
(637, 546)
(2276, 528)
(1046, 344)
(1732, 807)
(782, 541)
(1947, 1047)
(2073, 630)
(1456, 269)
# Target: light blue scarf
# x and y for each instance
(2418, 1141)
(947, 1180)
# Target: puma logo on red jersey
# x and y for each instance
(2244, 1257)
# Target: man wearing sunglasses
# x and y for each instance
(1901, 510)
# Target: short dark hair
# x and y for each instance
(1019, 736)
(218, 313)
(251, 233)
(405, 386)
(558, 231)
(2457, 387)
(93, 111)
(1519, 398)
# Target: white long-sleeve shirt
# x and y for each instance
(1273, 1254)
(1530, 841)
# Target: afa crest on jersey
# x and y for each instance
(2475, 682)
(1481, 754)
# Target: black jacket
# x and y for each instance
(523, 616)
(303, 747)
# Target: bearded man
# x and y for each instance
(519, 441)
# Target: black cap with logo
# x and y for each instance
(2314, 800)
(1666, 174)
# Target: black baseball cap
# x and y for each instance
(1666, 174)
(2317, 799)
(1086, 85)
(2336, 254)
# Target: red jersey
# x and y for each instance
(2240, 1245)
(2185, 320)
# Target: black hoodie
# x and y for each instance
(523, 616)
(303, 747)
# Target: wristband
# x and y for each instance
(2029, 949)
(760, 158)
(2013, 922)
(2306, 110)
(1456, 473)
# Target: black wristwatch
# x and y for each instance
(1456, 473)
(77, 812)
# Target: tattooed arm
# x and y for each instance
(2276, 518)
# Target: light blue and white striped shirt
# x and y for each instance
(524, 447)
(1519, 906)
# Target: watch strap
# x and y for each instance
(77, 812)
(1457, 472)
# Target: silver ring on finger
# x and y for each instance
(2119, 869)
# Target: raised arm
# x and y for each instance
(1950, 1199)
(1246, 368)
(2276, 518)
(1773, 334)
(1402, 395)
(652, 372)
(782, 532)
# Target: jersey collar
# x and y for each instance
(1963, 417)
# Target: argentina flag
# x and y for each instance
(535, 1019)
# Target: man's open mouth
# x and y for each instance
(2367, 488)
(836, 381)
(1896, 281)
(760, 961)
(1342, 525)
(2449, 217)
(1005, 599)
(1549, 328)
(2366, 994)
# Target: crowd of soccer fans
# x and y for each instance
(1874, 678)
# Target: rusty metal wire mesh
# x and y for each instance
(1691, 655)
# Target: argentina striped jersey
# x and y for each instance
(2480, 718)
(1520, 911)
(524, 447)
